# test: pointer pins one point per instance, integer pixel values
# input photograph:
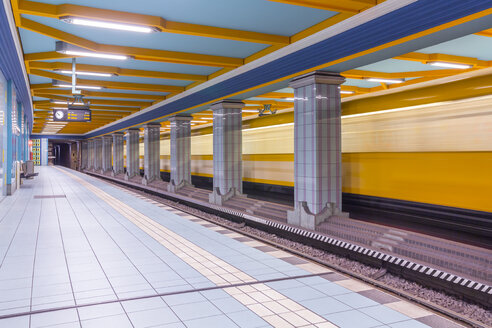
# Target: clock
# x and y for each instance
(59, 114)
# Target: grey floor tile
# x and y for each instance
(18, 322)
(216, 321)
(99, 311)
(154, 317)
(384, 314)
(195, 310)
(110, 321)
(247, 319)
(352, 319)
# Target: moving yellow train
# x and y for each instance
(439, 153)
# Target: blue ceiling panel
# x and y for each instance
(251, 15)
(395, 66)
(160, 41)
(476, 46)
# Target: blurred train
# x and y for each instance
(439, 153)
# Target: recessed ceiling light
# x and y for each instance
(346, 92)
(450, 65)
(110, 25)
(381, 80)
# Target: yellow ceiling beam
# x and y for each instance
(425, 58)
(109, 84)
(49, 55)
(57, 11)
(122, 103)
(116, 71)
(40, 92)
(346, 6)
(126, 109)
(361, 74)
(485, 33)
(137, 53)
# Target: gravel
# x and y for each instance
(464, 308)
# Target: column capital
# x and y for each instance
(152, 125)
(118, 133)
(227, 103)
(132, 130)
(321, 77)
(183, 118)
(106, 136)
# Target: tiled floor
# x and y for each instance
(99, 256)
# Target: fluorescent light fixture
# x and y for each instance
(388, 81)
(59, 107)
(450, 65)
(59, 84)
(70, 49)
(86, 73)
(250, 111)
(59, 102)
(95, 54)
(346, 92)
(206, 118)
(196, 121)
(110, 25)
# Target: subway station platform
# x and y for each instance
(76, 251)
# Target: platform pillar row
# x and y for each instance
(317, 149)
(90, 154)
(227, 142)
(132, 153)
(152, 150)
(118, 158)
(180, 152)
(106, 153)
(97, 154)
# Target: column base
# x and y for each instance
(218, 199)
(113, 173)
(146, 181)
(172, 187)
(301, 216)
(128, 177)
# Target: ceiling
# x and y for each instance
(198, 41)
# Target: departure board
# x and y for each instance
(72, 115)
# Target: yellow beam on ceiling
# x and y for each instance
(116, 71)
(123, 103)
(137, 53)
(109, 84)
(425, 58)
(485, 33)
(57, 11)
(127, 109)
(346, 6)
(51, 90)
(361, 74)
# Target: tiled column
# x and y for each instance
(118, 153)
(7, 156)
(317, 148)
(132, 153)
(106, 153)
(180, 152)
(90, 152)
(152, 150)
(227, 136)
(83, 155)
(97, 154)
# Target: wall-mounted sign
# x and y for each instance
(72, 115)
